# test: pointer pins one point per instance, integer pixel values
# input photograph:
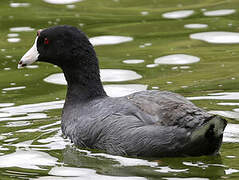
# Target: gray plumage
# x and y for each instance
(147, 123)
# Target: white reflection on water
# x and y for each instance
(123, 161)
(17, 124)
(13, 40)
(178, 14)
(217, 37)
(21, 29)
(231, 171)
(144, 13)
(177, 59)
(28, 111)
(83, 174)
(118, 75)
(6, 104)
(195, 26)
(11, 35)
(109, 40)
(221, 12)
(14, 5)
(152, 65)
(219, 96)
(167, 169)
(231, 133)
(192, 178)
(32, 66)
(227, 114)
(27, 159)
(70, 6)
(61, 1)
(14, 88)
(133, 61)
(26, 117)
(118, 90)
(107, 75)
(55, 142)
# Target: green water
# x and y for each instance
(31, 145)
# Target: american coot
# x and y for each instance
(147, 123)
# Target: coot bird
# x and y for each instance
(147, 123)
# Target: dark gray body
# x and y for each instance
(147, 123)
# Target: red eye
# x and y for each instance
(46, 41)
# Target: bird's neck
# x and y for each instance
(83, 83)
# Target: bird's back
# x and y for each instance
(146, 123)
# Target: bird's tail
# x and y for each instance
(207, 139)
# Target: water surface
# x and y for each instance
(31, 143)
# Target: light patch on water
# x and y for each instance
(133, 61)
(4, 115)
(6, 104)
(62, 1)
(167, 169)
(177, 59)
(3, 149)
(11, 35)
(231, 157)
(144, 13)
(29, 111)
(109, 40)
(195, 26)
(28, 116)
(196, 164)
(151, 65)
(7, 69)
(145, 45)
(184, 67)
(13, 40)
(227, 114)
(14, 5)
(17, 124)
(55, 142)
(32, 66)
(27, 159)
(14, 88)
(44, 128)
(21, 29)
(231, 171)
(70, 6)
(221, 12)
(70, 171)
(10, 140)
(118, 75)
(178, 14)
(217, 37)
(228, 104)
(107, 75)
(83, 174)
(192, 178)
(124, 161)
(118, 90)
(231, 133)
(218, 96)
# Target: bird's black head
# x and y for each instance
(65, 46)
